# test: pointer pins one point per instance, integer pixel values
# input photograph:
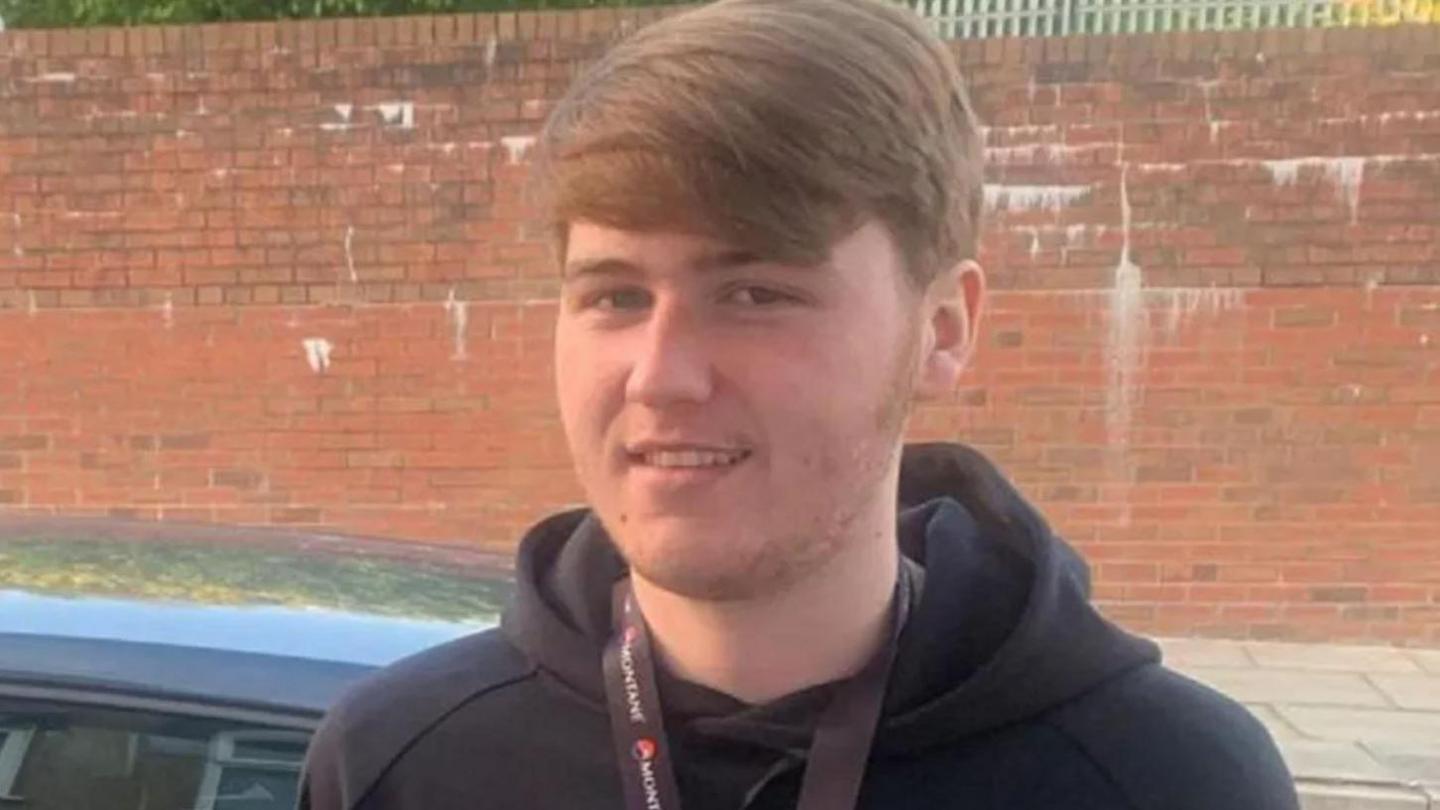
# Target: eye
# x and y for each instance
(625, 299)
(752, 296)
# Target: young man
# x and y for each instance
(767, 212)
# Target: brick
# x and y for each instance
(292, 515)
(184, 441)
(1339, 594)
(1303, 317)
(237, 479)
(24, 443)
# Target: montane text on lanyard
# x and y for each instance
(838, 753)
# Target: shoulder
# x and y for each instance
(374, 722)
(1170, 742)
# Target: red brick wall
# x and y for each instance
(283, 274)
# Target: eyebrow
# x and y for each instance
(717, 261)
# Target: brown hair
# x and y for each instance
(777, 126)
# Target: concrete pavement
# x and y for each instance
(1359, 726)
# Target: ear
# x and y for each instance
(953, 304)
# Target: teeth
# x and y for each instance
(691, 458)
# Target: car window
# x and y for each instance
(63, 757)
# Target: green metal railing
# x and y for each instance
(965, 19)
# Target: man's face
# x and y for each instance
(733, 421)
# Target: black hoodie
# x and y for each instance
(1008, 691)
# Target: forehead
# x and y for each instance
(597, 249)
(592, 248)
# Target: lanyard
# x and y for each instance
(838, 753)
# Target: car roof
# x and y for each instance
(94, 670)
(226, 614)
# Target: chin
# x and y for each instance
(694, 564)
(716, 566)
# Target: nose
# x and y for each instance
(671, 364)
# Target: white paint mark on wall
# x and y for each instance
(1284, 172)
(1400, 115)
(345, 111)
(167, 311)
(517, 146)
(459, 312)
(17, 250)
(1034, 234)
(1181, 305)
(1127, 320)
(1207, 90)
(317, 353)
(33, 306)
(1424, 340)
(350, 253)
(55, 77)
(1161, 167)
(1029, 129)
(1045, 152)
(1372, 283)
(1347, 174)
(1030, 198)
(492, 47)
(1178, 312)
(397, 113)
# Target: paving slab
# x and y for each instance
(1360, 797)
(1292, 687)
(1421, 692)
(1428, 660)
(1280, 730)
(1410, 762)
(1330, 658)
(1199, 652)
(1335, 761)
(1345, 724)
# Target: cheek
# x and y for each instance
(579, 388)
(829, 410)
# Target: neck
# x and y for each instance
(821, 629)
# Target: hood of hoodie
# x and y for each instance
(1001, 631)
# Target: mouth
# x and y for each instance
(690, 459)
(682, 458)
